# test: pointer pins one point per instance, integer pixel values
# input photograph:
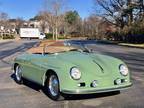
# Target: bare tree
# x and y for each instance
(44, 19)
(3, 19)
(3, 23)
(93, 27)
(114, 11)
(3, 16)
(121, 12)
(53, 10)
(18, 24)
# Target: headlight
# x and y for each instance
(75, 73)
(123, 69)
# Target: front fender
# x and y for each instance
(62, 71)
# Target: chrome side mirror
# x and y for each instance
(67, 44)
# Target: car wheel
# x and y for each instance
(18, 74)
(52, 87)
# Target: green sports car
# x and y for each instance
(65, 70)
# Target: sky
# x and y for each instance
(27, 9)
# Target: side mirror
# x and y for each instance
(67, 43)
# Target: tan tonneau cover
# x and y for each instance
(50, 47)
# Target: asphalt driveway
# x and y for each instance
(30, 95)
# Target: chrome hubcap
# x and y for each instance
(18, 73)
(53, 85)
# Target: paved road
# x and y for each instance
(8, 50)
(29, 95)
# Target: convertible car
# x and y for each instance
(62, 69)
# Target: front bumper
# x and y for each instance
(94, 90)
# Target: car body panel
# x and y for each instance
(102, 68)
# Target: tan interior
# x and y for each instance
(50, 47)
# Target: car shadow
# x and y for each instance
(29, 84)
(91, 96)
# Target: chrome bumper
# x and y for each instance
(80, 91)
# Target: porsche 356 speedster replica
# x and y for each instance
(65, 70)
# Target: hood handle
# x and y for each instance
(99, 66)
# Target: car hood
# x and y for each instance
(95, 64)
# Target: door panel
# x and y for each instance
(33, 70)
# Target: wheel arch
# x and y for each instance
(48, 73)
(15, 65)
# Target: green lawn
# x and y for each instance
(132, 45)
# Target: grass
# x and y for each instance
(124, 44)
(132, 45)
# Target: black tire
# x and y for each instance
(53, 91)
(18, 74)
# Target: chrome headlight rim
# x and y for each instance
(73, 72)
(123, 69)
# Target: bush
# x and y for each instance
(49, 35)
(62, 37)
(7, 36)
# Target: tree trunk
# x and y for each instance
(56, 32)
(53, 34)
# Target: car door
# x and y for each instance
(34, 70)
